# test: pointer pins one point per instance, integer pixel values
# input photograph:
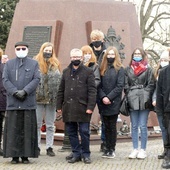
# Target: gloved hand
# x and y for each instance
(20, 95)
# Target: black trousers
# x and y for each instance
(110, 131)
(166, 123)
(2, 113)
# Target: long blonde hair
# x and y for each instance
(87, 49)
(52, 61)
(116, 64)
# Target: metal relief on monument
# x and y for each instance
(35, 36)
(112, 40)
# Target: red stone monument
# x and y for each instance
(68, 23)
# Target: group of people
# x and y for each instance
(36, 88)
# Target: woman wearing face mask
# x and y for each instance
(89, 60)
(47, 92)
(139, 87)
(164, 61)
(109, 96)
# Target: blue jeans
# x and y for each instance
(162, 127)
(83, 148)
(139, 119)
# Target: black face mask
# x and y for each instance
(47, 55)
(110, 60)
(97, 43)
(75, 62)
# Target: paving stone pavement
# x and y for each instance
(120, 162)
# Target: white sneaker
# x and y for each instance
(142, 154)
(133, 154)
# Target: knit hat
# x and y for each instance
(76, 53)
(21, 43)
(165, 55)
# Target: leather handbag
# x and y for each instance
(124, 109)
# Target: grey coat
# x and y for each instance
(76, 94)
(139, 89)
(21, 74)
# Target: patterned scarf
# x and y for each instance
(139, 67)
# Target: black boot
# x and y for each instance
(15, 160)
(162, 156)
(1, 152)
(103, 147)
(25, 160)
(166, 163)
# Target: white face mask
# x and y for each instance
(87, 57)
(164, 63)
(21, 53)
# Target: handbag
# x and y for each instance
(124, 108)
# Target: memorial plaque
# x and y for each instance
(35, 36)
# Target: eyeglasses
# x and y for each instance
(23, 49)
(75, 57)
(137, 53)
(162, 59)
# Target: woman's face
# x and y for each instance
(48, 49)
(86, 57)
(137, 53)
(47, 52)
(137, 56)
(111, 54)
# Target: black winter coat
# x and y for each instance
(139, 89)
(76, 94)
(2, 91)
(163, 91)
(111, 86)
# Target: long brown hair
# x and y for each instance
(87, 49)
(156, 73)
(116, 64)
(52, 61)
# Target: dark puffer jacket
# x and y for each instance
(111, 86)
(139, 89)
(2, 91)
